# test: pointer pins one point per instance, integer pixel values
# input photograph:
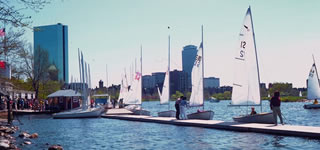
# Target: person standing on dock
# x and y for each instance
(183, 107)
(177, 106)
(275, 107)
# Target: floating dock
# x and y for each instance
(29, 112)
(287, 130)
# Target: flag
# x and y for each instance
(2, 65)
(2, 32)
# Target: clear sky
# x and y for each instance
(111, 32)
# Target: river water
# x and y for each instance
(101, 133)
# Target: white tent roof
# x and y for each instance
(101, 95)
(65, 93)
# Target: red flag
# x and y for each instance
(2, 65)
(2, 32)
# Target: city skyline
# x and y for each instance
(111, 32)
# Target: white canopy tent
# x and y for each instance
(65, 93)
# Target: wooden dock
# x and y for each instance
(287, 130)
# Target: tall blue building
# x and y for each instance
(54, 40)
(189, 54)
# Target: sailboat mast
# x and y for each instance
(141, 73)
(202, 65)
(107, 76)
(79, 64)
(314, 62)
(169, 72)
(255, 49)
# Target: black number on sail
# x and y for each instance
(242, 46)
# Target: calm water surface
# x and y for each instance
(104, 133)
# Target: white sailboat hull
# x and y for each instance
(141, 112)
(169, 113)
(79, 113)
(257, 118)
(311, 106)
(205, 115)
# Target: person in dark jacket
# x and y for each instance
(177, 106)
(275, 107)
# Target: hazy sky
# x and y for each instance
(111, 32)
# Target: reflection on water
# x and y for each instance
(103, 133)
(277, 141)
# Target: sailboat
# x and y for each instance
(165, 95)
(86, 111)
(197, 94)
(134, 96)
(313, 87)
(246, 86)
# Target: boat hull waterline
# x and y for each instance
(89, 113)
(141, 112)
(257, 118)
(204, 115)
(168, 113)
(312, 106)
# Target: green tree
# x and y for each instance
(177, 95)
(283, 88)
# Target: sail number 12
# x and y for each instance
(242, 46)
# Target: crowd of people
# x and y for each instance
(22, 104)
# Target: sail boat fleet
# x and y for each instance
(246, 86)
(86, 111)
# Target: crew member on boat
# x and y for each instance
(253, 112)
(315, 101)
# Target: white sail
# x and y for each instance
(246, 76)
(134, 94)
(300, 94)
(122, 90)
(313, 84)
(165, 96)
(196, 98)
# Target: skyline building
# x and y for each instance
(211, 82)
(159, 79)
(148, 81)
(178, 81)
(189, 54)
(54, 40)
